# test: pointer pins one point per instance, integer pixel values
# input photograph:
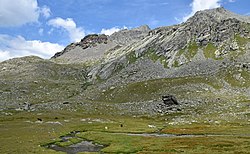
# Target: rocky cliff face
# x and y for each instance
(126, 37)
(206, 41)
(87, 42)
(93, 47)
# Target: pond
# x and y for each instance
(82, 146)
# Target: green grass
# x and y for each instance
(176, 64)
(192, 50)
(236, 54)
(209, 51)
(21, 129)
(138, 144)
(150, 53)
(71, 141)
(163, 61)
(153, 89)
(18, 136)
(42, 92)
(180, 52)
(230, 78)
(131, 57)
(117, 143)
(189, 52)
(37, 81)
(247, 26)
(241, 40)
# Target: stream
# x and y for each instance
(89, 146)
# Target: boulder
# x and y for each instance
(169, 100)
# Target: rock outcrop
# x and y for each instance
(125, 37)
(93, 47)
(169, 100)
(87, 42)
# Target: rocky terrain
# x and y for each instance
(94, 47)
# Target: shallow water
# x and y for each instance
(84, 146)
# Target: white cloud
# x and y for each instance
(45, 11)
(18, 46)
(18, 12)
(198, 5)
(232, 1)
(112, 30)
(75, 33)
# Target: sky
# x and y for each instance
(44, 27)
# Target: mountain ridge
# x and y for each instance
(186, 27)
(204, 47)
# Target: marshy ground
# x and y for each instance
(32, 132)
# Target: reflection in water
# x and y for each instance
(83, 146)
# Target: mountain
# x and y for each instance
(204, 59)
(216, 29)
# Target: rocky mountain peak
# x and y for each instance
(88, 41)
(218, 14)
(143, 28)
(92, 40)
(125, 37)
(214, 25)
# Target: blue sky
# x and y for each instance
(43, 27)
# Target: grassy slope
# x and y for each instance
(153, 89)
(38, 81)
